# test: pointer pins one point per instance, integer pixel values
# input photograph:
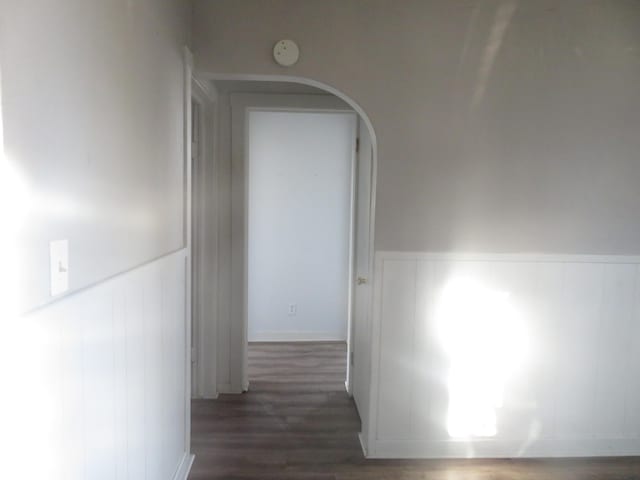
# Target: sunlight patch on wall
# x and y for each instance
(12, 203)
(26, 387)
(484, 340)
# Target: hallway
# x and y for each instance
(298, 423)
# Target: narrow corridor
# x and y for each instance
(296, 421)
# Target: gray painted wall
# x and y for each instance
(93, 123)
(502, 125)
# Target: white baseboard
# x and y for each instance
(205, 397)
(185, 467)
(292, 336)
(363, 444)
(226, 388)
(542, 448)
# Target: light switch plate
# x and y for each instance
(59, 266)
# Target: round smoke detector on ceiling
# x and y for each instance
(286, 52)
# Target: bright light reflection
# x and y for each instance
(483, 337)
(27, 443)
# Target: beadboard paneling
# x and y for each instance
(107, 368)
(569, 354)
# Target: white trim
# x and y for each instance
(548, 448)
(292, 336)
(206, 87)
(363, 444)
(182, 473)
(508, 257)
(205, 255)
(375, 356)
(373, 274)
(188, 72)
(312, 83)
(287, 102)
(98, 283)
(352, 257)
(224, 388)
(208, 396)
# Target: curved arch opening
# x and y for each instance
(232, 371)
(303, 81)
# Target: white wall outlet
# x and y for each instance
(59, 266)
(293, 309)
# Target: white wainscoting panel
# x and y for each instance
(106, 366)
(505, 356)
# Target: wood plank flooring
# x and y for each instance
(297, 423)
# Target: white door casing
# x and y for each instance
(204, 239)
(361, 325)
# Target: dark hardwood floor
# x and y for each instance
(297, 422)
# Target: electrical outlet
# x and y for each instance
(293, 309)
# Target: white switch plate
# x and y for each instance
(59, 266)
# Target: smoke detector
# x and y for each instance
(286, 53)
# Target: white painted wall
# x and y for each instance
(93, 123)
(550, 343)
(299, 222)
(94, 381)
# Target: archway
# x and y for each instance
(360, 299)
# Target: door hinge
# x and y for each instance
(351, 357)
(357, 145)
(193, 355)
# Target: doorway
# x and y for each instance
(299, 225)
(298, 319)
(300, 211)
(348, 367)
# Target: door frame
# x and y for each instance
(204, 235)
(241, 105)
